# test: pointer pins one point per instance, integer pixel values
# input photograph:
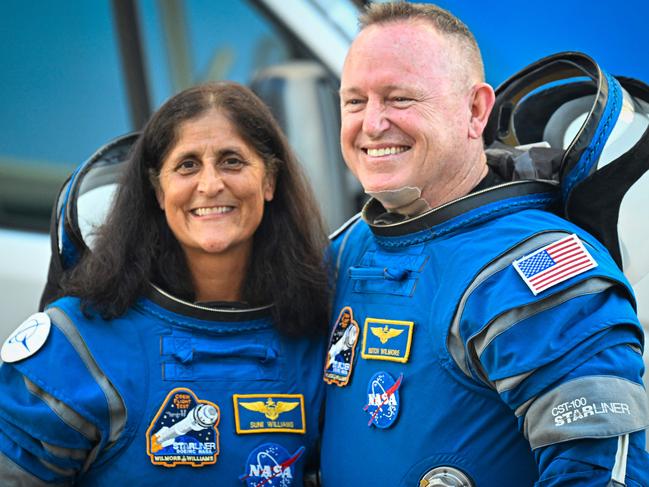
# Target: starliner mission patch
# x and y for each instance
(183, 432)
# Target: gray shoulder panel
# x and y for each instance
(13, 475)
(68, 415)
(344, 226)
(587, 407)
(455, 343)
(116, 406)
(481, 341)
(353, 221)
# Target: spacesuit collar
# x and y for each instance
(383, 225)
(207, 311)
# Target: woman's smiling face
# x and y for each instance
(212, 187)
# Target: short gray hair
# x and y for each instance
(442, 20)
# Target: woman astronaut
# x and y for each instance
(177, 351)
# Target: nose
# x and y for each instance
(210, 181)
(375, 120)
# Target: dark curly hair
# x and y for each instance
(135, 245)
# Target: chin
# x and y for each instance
(383, 185)
(215, 248)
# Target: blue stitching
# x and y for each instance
(384, 242)
(585, 165)
(195, 325)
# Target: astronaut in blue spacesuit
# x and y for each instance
(174, 358)
(497, 343)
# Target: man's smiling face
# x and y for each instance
(406, 109)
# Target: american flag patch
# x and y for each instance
(554, 263)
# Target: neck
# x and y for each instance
(218, 277)
(459, 184)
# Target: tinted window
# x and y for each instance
(62, 97)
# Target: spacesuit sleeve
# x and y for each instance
(53, 415)
(568, 362)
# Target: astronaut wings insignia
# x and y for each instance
(387, 339)
(269, 413)
(270, 408)
(385, 333)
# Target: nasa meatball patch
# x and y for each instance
(271, 465)
(383, 400)
(28, 338)
(183, 432)
(342, 346)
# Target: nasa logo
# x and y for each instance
(383, 400)
(28, 338)
(342, 346)
(184, 432)
(271, 465)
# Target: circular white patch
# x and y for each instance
(27, 339)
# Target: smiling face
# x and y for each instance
(212, 187)
(407, 110)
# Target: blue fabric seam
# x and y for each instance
(602, 326)
(195, 325)
(53, 475)
(429, 234)
(36, 434)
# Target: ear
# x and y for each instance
(154, 179)
(481, 102)
(269, 187)
(159, 195)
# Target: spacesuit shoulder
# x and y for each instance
(540, 323)
(340, 230)
(63, 366)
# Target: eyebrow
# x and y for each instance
(353, 90)
(227, 151)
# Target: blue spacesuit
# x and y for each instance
(168, 394)
(497, 345)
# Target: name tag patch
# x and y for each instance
(269, 413)
(387, 340)
(183, 432)
(383, 400)
(342, 346)
(271, 465)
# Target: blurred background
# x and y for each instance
(78, 73)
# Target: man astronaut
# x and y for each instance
(504, 363)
